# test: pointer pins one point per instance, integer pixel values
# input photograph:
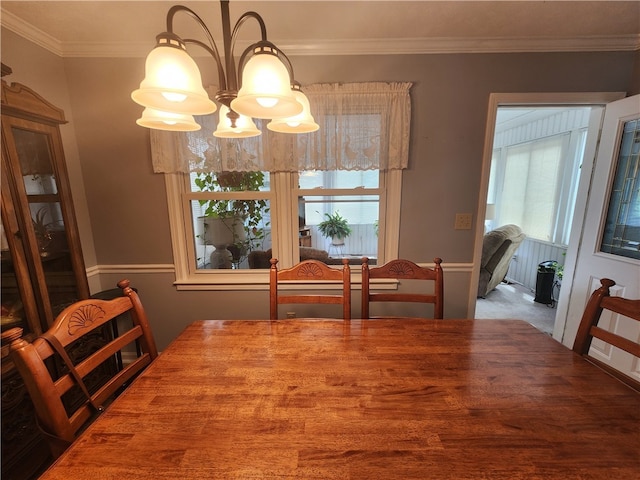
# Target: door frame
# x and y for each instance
(537, 99)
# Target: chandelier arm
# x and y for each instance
(230, 37)
(214, 53)
(213, 50)
(245, 16)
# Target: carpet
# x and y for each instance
(516, 301)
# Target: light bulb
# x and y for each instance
(267, 102)
(174, 97)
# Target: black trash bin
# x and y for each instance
(544, 282)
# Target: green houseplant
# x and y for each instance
(43, 230)
(242, 219)
(335, 227)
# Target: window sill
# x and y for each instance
(259, 280)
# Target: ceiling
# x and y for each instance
(115, 28)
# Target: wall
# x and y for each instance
(44, 72)
(127, 202)
(634, 88)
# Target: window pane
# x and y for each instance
(531, 183)
(348, 197)
(224, 239)
(228, 227)
(230, 182)
(339, 179)
(622, 228)
(360, 213)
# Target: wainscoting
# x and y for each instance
(524, 266)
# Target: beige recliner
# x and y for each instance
(498, 248)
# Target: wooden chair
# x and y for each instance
(67, 396)
(588, 330)
(401, 269)
(310, 270)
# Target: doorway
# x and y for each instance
(539, 151)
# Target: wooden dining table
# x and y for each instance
(363, 399)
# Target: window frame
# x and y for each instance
(283, 197)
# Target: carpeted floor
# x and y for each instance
(516, 301)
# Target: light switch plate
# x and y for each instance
(463, 221)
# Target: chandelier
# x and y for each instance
(262, 86)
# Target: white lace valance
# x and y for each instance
(363, 126)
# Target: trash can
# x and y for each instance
(544, 282)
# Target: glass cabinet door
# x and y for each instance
(17, 298)
(47, 219)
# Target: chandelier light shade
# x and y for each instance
(261, 85)
(172, 83)
(244, 126)
(301, 123)
(266, 89)
(160, 120)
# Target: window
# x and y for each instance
(354, 196)
(531, 185)
(535, 172)
(232, 202)
(368, 211)
(622, 228)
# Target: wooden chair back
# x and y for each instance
(588, 330)
(305, 271)
(69, 393)
(402, 269)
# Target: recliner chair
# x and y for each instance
(498, 248)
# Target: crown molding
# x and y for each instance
(11, 22)
(421, 45)
(391, 46)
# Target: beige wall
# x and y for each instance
(126, 202)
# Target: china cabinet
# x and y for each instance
(42, 265)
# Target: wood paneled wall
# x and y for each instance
(524, 266)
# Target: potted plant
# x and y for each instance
(43, 231)
(335, 227)
(237, 225)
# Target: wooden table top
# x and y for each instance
(374, 399)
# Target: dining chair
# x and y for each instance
(305, 271)
(401, 269)
(68, 394)
(599, 301)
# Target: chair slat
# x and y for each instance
(588, 329)
(66, 382)
(616, 340)
(75, 323)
